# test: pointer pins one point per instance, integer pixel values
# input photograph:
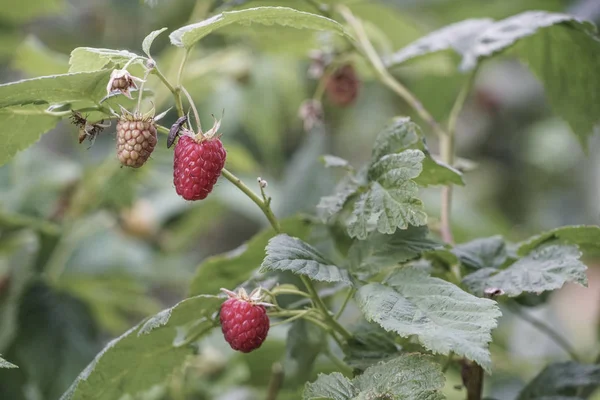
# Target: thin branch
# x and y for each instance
(196, 115)
(545, 328)
(275, 382)
(384, 75)
(349, 295)
(447, 152)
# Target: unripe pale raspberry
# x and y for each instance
(136, 139)
(197, 165)
(244, 321)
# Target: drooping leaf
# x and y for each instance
(379, 252)
(369, 345)
(55, 89)
(188, 35)
(386, 210)
(89, 59)
(304, 343)
(561, 379)
(230, 269)
(452, 320)
(286, 253)
(23, 126)
(545, 268)
(147, 353)
(336, 162)
(561, 50)
(331, 205)
(148, 40)
(459, 37)
(408, 376)
(51, 326)
(482, 253)
(6, 364)
(584, 236)
(18, 254)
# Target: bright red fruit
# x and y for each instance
(197, 165)
(244, 321)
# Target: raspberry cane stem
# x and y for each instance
(314, 295)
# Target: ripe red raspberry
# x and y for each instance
(136, 139)
(244, 320)
(197, 164)
(342, 86)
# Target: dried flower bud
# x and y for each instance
(311, 112)
(121, 81)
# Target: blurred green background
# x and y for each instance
(87, 249)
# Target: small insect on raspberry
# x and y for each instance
(174, 131)
(244, 320)
(136, 137)
(87, 130)
(343, 86)
(197, 163)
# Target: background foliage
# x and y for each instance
(87, 249)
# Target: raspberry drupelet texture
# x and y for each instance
(136, 139)
(197, 166)
(244, 325)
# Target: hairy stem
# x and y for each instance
(321, 305)
(175, 92)
(349, 295)
(194, 109)
(266, 209)
(545, 328)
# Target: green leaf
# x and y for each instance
(89, 59)
(452, 320)
(369, 345)
(55, 89)
(304, 342)
(6, 364)
(24, 125)
(386, 210)
(329, 206)
(482, 253)
(561, 379)
(438, 173)
(395, 169)
(147, 353)
(409, 376)
(546, 268)
(188, 35)
(380, 252)
(230, 269)
(400, 134)
(148, 40)
(286, 253)
(458, 37)
(334, 386)
(584, 236)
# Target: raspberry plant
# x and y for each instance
(424, 305)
